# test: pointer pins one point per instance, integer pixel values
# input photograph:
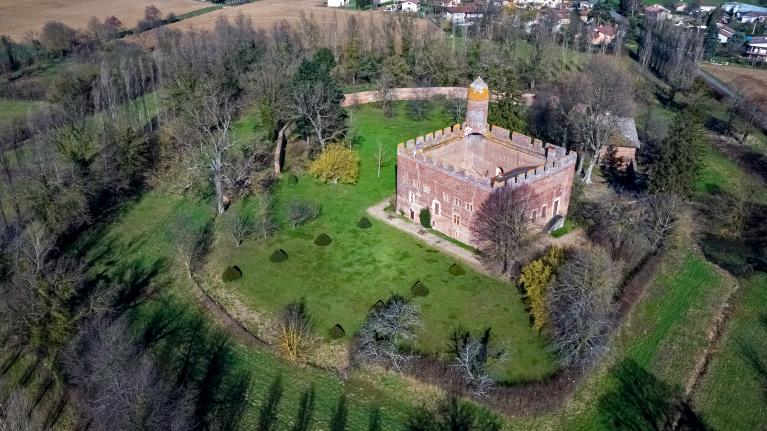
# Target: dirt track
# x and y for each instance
(17, 17)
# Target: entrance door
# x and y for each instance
(556, 207)
(412, 215)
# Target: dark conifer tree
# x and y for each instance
(678, 164)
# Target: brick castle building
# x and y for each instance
(453, 171)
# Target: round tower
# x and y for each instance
(478, 100)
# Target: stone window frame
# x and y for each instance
(436, 207)
(456, 219)
(534, 215)
(456, 202)
(416, 184)
(426, 189)
(469, 207)
(411, 197)
(557, 205)
(445, 197)
(544, 211)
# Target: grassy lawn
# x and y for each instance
(137, 247)
(342, 281)
(737, 371)
(658, 343)
(11, 109)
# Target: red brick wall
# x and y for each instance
(434, 184)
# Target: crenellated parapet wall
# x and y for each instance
(555, 157)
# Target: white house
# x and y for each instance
(554, 4)
(410, 5)
(756, 48)
(706, 8)
(725, 33)
(459, 14)
(742, 8)
(337, 3)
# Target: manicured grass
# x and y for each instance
(343, 280)
(566, 228)
(733, 394)
(138, 247)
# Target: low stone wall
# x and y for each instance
(364, 97)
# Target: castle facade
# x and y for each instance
(451, 172)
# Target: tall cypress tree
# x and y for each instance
(678, 165)
(711, 41)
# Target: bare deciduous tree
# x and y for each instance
(295, 330)
(192, 244)
(581, 306)
(302, 211)
(313, 102)
(594, 103)
(470, 356)
(502, 228)
(19, 413)
(239, 226)
(382, 156)
(387, 327)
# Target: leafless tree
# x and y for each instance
(470, 357)
(192, 244)
(503, 228)
(620, 226)
(455, 109)
(663, 216)
(385, 93)
(313, 102)
(302, 211)
(581, 306)
(382, 156)
(207, 114)
(239, 226)
(117, 386)
(295, 330)
(18, 413)
(672, 52)
(387, 328)
(594, 103)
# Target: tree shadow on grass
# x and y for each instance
(340, 415)
(305, 411)
(755, 360)
(267, 417)
(641, 401)
(201, 361)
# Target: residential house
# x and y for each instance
(410, 5)
(337, 3)
(725, 33)
(680, 7)
(554, 4)
(459, 14)
(756, 48)
(751, 16)
(622, 147)
(706, 9)
(736, 8)
(658, 11)
(603, 35)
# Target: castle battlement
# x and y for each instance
(555, 156)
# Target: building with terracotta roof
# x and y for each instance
(451, 172)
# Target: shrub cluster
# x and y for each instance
(323, 240)
(337, 332)
(279, 256)
(456, 270)
(425, 218)
(337, 164)
(419, 289)
(231, 273)
(364, 223)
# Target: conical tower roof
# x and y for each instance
(478, 90)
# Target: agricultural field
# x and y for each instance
(18, 18)
(754, 80)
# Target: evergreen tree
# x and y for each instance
(711, 42)
(678, 164)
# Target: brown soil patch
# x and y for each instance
(19, 17)
(265, 13)
(754, 81)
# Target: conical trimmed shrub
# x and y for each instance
(292, 179)
(364, 223)
(323, 240)
(231, 273)
(337, 332)
(279, 255)
(456, 269)
(419, 289)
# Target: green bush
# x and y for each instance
(456, 269)
(425, 217)
(279, 255)
(419, 289)
(323, 240)
(292, 179)
(337, 332)
(364, 223)
(231, 273)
